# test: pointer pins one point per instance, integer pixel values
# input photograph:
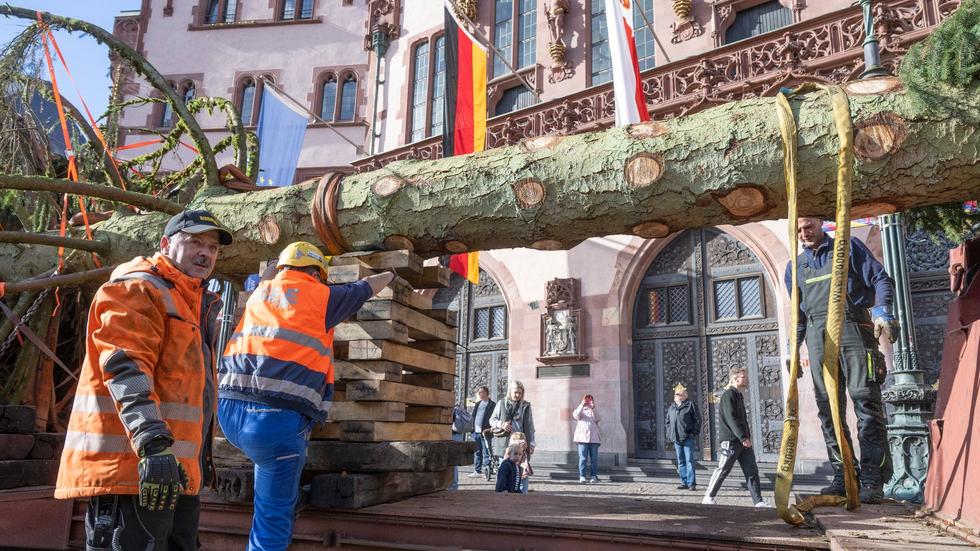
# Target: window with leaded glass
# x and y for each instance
(436, 107)
(738, 298)
(601, 62)
(188, 92)
(669, 304)
(167, 113)
(246, 107)
(514, 35)
(420, 91)
(758, 20)
(490, 322)
(645, 50)
(348, 98)
(296, 9)
(328, 97)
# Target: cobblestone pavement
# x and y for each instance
(733, 491)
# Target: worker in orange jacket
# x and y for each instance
(138, 439)
(276, 379)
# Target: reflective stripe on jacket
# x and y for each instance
(148, 371)
(281, 353)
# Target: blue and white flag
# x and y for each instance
(281, 129)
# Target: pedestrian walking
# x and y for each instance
(735, 440)
(587, 438)
(683, 428)
(512, 414)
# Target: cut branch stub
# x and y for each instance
(547, 245)
(387, 185)
(643, 169)
(529, 193)
(867, 210)
(744, 201)
(456, 247)
(879, 135)
(541, 142)
(645, 130)
(269, 230)
(651, 230)
(872, 86)
(398, 242)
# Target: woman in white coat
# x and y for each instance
(588, 438)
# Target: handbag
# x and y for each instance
(462, 421)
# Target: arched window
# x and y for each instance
(220, 11)
(328, 97)
(428, 80)
(214, 7)
(247, 104)
(438, 88)
(420, 91)
(167, 113)
(517, 47)
(348, 98)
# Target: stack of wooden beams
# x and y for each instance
(389, 435)
(27, 458)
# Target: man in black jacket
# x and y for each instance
(481, 422)
(683, 428)
(735, 440)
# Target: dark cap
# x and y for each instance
(197, 221)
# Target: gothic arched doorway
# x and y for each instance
(705, 305)
(481, 336)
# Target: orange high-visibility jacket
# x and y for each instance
(281, 353)
(149, 370)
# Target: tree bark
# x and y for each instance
(720, 166)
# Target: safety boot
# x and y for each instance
(872, 494)
(836, 487)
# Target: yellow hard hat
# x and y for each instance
(302, 254)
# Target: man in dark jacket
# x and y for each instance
(683, 428)
(481, 413)
(862, 365)
(735, 440)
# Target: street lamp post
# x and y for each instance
(911, 398)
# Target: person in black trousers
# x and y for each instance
(735, 440)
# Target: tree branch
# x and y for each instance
(68, 280)
(30, 238)
(41, 183)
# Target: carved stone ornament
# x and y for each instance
(555, 11)
(383, 14)
(686, 27)
(561, 324)
(465, 9)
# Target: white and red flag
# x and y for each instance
(628, 90)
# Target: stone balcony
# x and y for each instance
(825, 49)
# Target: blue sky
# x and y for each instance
(87, 59)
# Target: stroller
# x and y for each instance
(490, 460)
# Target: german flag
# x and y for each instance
(465, 122)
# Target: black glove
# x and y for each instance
(162, 480)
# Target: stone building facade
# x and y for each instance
(620, 317)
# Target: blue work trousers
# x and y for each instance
(275, 440)
(589, 453)
(685, 461)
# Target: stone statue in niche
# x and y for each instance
(555, 11)
(561, 324)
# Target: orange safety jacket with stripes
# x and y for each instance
(148, 373)
(281, 353)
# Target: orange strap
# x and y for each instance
(95, 126)
(151, 142)
(3, 288)
(69, 151)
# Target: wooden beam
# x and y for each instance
(420, 326)
(392, 351)
(438, 381)
(429, 414)
(446, 349)
(354, 491)
(368, 411)
(368, 330)
(386, 391)
(377, 431)
(382, 371)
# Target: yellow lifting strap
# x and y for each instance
(793, 514)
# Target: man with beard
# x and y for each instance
(138, 438)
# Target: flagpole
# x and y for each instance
(500, 55)
(329, 125)
(646, 20)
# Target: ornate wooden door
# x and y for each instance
(705, 305)
(482, 339)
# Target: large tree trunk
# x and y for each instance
(720, 166)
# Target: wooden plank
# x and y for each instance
(446, 349)
(420, 326)
(439, 381)
(401, 291)
(449, 317)
(374, 457)
(429, 414)
(432, 277)
(354, 491)
(385, 391)
(392, 351)
(348, 273)
(367, 330)
(368, 411)
(381, 371)
(378, 431)
(326, 431)
(403, 262)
